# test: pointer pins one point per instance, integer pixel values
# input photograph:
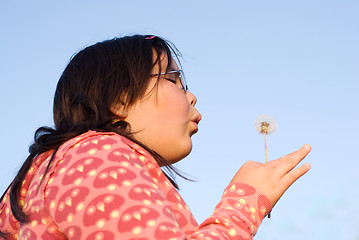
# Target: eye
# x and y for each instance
(175, 78)
(171, 77)
(171, 80)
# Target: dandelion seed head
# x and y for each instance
(265, 124)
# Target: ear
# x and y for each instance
(120, 109)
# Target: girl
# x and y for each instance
(121, 112)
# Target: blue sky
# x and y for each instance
(297, 61)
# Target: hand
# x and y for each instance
(273, 178)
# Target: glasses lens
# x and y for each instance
(183, 80)
(176, 76)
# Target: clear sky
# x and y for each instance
(297, 61)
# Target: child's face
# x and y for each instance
(165, 119)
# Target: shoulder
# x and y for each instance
(92, 164)
(94, 159)
(92, 141)
(86, 154)
(108, 145)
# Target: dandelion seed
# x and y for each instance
(265, 124)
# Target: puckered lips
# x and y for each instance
(196, 119)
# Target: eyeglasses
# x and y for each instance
(175, 77)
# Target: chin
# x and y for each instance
(184, 153)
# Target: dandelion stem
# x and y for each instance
(266, 153)
(265, 146)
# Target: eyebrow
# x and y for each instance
(171, 68)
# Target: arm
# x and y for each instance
(243, 207)
(112, 194)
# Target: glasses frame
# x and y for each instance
(180, 76)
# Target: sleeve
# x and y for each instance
(238, 215)
(102, 190)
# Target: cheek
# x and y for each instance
(171, 127)
(175, 106)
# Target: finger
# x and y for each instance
(295, 174)
(291, 160)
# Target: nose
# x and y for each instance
(191, 98)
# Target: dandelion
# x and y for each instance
(265, 125)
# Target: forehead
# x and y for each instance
(164, 63)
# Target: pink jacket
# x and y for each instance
(104, 186)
